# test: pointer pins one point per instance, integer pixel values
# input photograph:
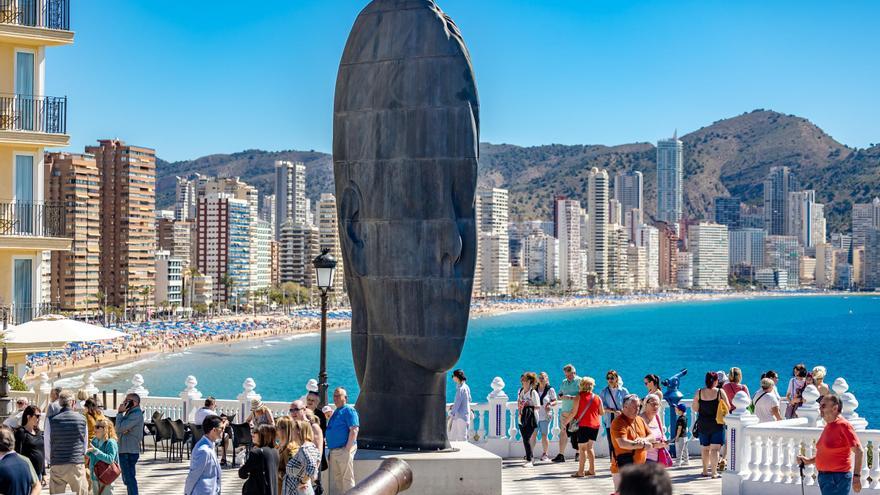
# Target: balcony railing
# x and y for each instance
(49, 14)
(32, 219)
(47, 114)
(16, 314)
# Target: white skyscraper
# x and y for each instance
(628, 191)
(185, 200)
(618, 272)
(782, 253)
(806, 218)
(648, 237)
(260, 255)
(708, 243)
(568, 225)
(638, 266)
(494, 248)
(597, 226)
(684, 270)
(298, 247)
(670, 173)
(541, 258)
(864, 217)
(290, 194)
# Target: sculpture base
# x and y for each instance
(468, 470)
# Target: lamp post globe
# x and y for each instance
(325, 268)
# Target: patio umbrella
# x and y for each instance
(57, 330)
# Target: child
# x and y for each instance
(681, 434)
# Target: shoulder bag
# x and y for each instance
(573, 425)
(663, 455)
(722, 410)
(107, 473)
(791, 408)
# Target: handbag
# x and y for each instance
(663, 455)
(722, 410)
(107, 473)
(791, 409)
(527, 417)
(573, 425)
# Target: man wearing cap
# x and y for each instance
(342, 430)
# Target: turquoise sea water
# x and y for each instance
(754, 334)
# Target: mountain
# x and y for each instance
(729, 157)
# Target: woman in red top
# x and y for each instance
(834, 449)
(589, 410)
(734, 385)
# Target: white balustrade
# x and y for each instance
(137, 386)
(190, 397)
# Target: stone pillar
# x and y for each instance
(89, 386)
(245, 397)
(497, 410)
(810, 408)
(739, 457)
(137, 386)
(850, 404)
(44, 389)
(189, 398)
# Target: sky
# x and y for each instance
(192, 78)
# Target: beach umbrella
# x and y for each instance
(57, 330)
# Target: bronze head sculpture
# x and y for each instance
(405, 149)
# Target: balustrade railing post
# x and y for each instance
(875, 468)
(810, 408)
(756, 460)
(497, 427)
(247, 395)
(188, 397)
(137, 387)
(44, 389)
(740, 452)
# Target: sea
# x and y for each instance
(755, 334)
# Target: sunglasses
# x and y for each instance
(99, 427)
(296, 409)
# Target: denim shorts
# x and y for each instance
(544, 428)
(835, 483)
(714, 438)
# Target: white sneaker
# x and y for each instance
(528, 464)
(545, 458)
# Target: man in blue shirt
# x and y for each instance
(204, 468)
(569, 389)
(17, 475)
(342, 430)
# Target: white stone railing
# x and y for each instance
(763, 456)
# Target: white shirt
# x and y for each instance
(765, 401)
(14, 421)
(549, 397)
(203, 413)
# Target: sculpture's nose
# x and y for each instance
(450, 247)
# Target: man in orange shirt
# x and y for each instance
(837, 441)
(630, 436)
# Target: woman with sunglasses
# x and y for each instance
(103, 448)
(29, 441)
(262, 464)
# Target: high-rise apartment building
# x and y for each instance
(628, 191)
(824, 266)
(684, 272)
(806, 218)
(597, 225)
(618, 274)
(290, 194)
(477, 289)
(568, 226)
(865, 216)
(667, 258)
(223, 245)
(727, 211)
(495, 242)
(260, 250)
(783, 253)
(184, 199)
(169, 280)
(267, 212)
(648, 237)
(128, 221)
(299, 246)
(708, 243)
(72, 180)
(777, 186)
(670, 174)
(328, 237)
(541, 258)
(636, 258)
(30, 122)
(746, 251)
(871, 266)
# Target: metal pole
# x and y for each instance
(322, 375)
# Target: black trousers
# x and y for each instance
(525, 432)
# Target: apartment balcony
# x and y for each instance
(33, 226)
(35, 22)
(33, 120)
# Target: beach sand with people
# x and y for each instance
(147, 346)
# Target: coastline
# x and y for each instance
(287, 327)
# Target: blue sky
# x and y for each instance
(191, 78)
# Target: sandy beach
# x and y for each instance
(279, 325)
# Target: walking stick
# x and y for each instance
(801, 465)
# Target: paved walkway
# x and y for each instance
(166, 478)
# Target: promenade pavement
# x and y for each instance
(166, 478)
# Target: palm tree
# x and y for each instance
(193, 272)
(144, 292)
(228, 283)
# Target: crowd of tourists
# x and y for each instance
(635, 430)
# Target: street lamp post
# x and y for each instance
(325, 268)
